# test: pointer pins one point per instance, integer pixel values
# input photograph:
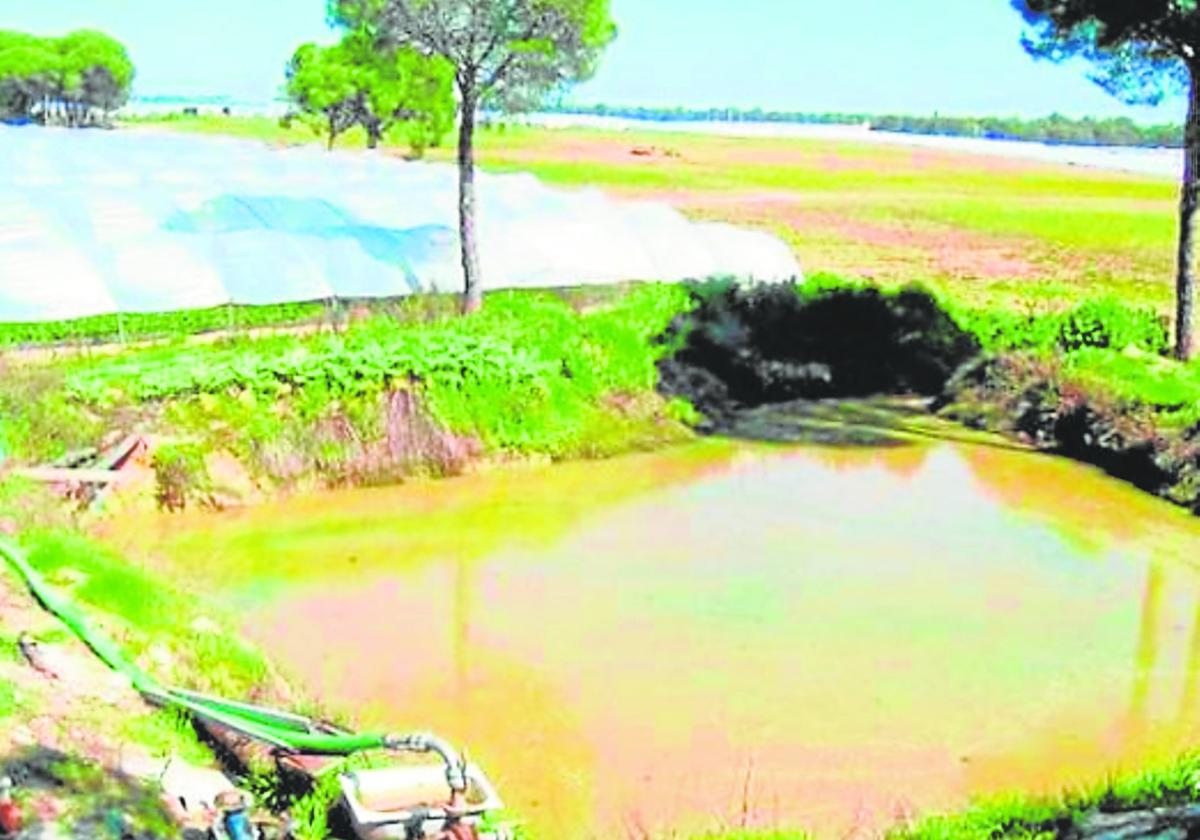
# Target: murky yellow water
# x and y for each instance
(729, 634)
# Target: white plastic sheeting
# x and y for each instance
(99, 222)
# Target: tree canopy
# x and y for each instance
(505, 54)
(78, 79)
(354, 84)
(1140, 50)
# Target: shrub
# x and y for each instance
(745, 346)
(1103, 323)
(38, 419)
(181, 475)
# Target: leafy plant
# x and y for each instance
(310, 813)
(180, 475)
(1103, 323)
(528, 374)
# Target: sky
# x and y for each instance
(881, 56)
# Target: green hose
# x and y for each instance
(279, 729)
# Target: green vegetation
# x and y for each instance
(1031, 817)
(76, 80)
(134, 326)
(1171, 390)
(181, 475)
(353, 84)
(1000, 235)
(310, 813)
(1134, 414)
(168, 732)
(415, 391)
(1017, 817)
(1102, 323)
(9, 699)
(1055, 128)
(556, 374)
(38, 420)
(1077, 312)
(160, 627)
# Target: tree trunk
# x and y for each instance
(472, 289)
(1185, 277)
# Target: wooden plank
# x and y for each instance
(75, 458)
(59, 475)
(116, 456)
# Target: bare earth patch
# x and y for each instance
(721, 152)
(68, 693)
(920, 247)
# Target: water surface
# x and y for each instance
(731, 634)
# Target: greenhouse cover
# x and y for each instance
(97, 222)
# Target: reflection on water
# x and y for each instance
(732, 634)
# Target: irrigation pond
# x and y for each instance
(732, 633)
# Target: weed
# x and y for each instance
(310, 812)
(181, 475)
(38, 419)
(1105, 323)
(168, 733)
(1020, 817)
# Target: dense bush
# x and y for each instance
(744, 346)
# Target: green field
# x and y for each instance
(982, 229)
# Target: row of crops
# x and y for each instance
(102, 329)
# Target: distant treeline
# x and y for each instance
(76, 80)
(1119, 131)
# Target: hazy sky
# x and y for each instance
(918, 56)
